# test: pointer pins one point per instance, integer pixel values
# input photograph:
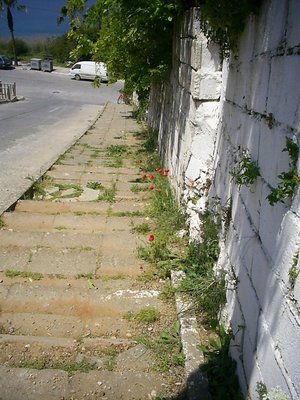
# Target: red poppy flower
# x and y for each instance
(165, 174)
(151, 237)
(159, 170)
(167, 170)
(144, 176)
(151, 187)
(159, 190)
(151, 177)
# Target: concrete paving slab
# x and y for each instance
(89, 194)
(28, 221)
(65, 262)
(67, 168)
(63, 174)
(128, 206)
(20, 239)
(125, 224)
(14, 258)
(61, 240)
(48, 207)
(98, 176)
(80, 223)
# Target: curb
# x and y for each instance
(197, 382)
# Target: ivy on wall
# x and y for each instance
(223, 21)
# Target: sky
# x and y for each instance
(40, 19)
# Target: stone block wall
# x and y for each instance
(207, 114)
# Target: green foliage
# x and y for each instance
(262, 390)
(135, 39)
(116, 152)
(39, 187)
(22, 48)
(220, 367)
(94, 185)
(147, 315)
(58, 48)
(201, 283)
(109, 194)
(223, 21)
(142, 228)
(246, 171)
(12, 273)
(45, 363)
(293, 271)
(166, 347)
(289, 180)
(2, 223)
(273, 394)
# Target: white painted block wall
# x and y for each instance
(205, 113)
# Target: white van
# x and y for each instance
(89, 70)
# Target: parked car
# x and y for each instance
(89, 70)
(5, 62)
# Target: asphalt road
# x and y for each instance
(54, 113)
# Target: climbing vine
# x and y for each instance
(223, 21)
(290, 179)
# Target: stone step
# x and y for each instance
(69, 326)
(29, 384)
(121, 354)
(67, 311)
(77, 294)
(71, 254)
(134, 205)
(38, 222)
(54, 208)
(55, 240)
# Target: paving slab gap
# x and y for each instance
(197, 382)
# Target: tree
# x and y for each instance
(22, 48)
(6, 6)
(134, 38)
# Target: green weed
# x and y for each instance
(111, 360)
(94, 185)
(246, 171)
(166, 347)
(147, 315)
(116, 152)
(85, 276)
(70, 367)
(201, 283)
(60, 227)
(109, 194)
(36, 276)
(117, 149)
(112, 213)
(220, 367)
(289, 180)
(138, 188)
(39, 187)
(141, 228)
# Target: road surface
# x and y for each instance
(56, 111)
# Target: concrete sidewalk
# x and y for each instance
(71, 280)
